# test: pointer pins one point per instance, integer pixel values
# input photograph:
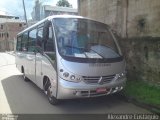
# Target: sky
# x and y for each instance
(15, 7)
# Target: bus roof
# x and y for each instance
(52, 17)
(49, 18)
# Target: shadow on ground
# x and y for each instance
(26, 98)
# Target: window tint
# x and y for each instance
(18, 48)
(32, 40)
(39, 36)
(24, 41)
(48, 38)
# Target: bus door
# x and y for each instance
(39, 56)
(45, 57)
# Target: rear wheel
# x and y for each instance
(24, 76)
(47, 87)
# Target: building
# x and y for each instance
(42, 11)
(122, 15)
(9, 27)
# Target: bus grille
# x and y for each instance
(95, 79)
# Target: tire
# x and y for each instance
(52, 100)
(25, 78)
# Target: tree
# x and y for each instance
(63, 3)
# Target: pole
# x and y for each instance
(25, 13)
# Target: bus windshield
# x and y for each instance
(83, 38)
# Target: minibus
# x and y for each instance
(71, 57)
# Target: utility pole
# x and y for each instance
(25, 13)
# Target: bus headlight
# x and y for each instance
(72, 77)
(65, 74)
(121, 75)
(69, 76)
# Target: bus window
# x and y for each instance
(48, 38)
(24, 41)
(18, 48)
(39, 36)
(32, 40)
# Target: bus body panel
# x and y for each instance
(30, 66)
(38, 72)
(94, 69)
(50, 71)
(40, 64)
(20, 58)
(68, 90)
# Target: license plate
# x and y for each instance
(101, 90)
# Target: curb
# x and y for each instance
(151, 108)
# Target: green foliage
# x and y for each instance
(143, 92)
(63, 3)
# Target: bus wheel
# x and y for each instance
(52, 100)
(25, 78)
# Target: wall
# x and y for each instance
(9, 31)
(143, 18)
(130, 18)
(143, 58)
(137, 22)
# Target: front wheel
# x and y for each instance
(52, 100)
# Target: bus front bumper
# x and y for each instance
(71, 90)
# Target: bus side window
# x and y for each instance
(24, 41)
(32, 40)
(48, 38)
(39, 41)
(18, 48)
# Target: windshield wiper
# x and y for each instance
(97, 53)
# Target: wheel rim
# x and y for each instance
(49, 93)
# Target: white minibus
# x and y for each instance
(71, 57)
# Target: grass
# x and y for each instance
(143, 92)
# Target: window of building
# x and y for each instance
(1, 26)
(7, 35)
(20, 25)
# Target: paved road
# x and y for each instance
(17, 96)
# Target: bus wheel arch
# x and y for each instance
(46, 83)
(48, 90)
